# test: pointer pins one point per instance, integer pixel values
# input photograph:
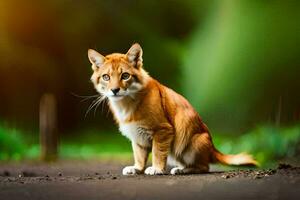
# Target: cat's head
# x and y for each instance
(118, 75)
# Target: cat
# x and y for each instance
(155, 118)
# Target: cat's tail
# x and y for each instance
(237, 159)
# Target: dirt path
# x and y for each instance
(93, 180)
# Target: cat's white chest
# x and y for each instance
(120, 114)
(136, 133)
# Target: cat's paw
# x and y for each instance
(131, 170)
(153, 171)
(176, 171)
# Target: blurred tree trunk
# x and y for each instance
(48, 127)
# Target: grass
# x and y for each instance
(12, 146)
(266, 143)
(93, 144)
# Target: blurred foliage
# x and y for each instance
(94, 144)
(268, 145)
(241, 67)
(12, 146)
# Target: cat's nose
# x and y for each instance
(115, 90)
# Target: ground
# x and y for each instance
(103, 180)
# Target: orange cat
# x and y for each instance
(155, 118)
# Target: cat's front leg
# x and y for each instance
(160, 149)
(140, 154)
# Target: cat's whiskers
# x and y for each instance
(92, 105)
(101, 100)
(85, 97)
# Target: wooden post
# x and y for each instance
(48, 128)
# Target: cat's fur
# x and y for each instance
(156, 118)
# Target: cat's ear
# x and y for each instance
(134, 55)
(95, 58)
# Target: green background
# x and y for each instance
(237, 62)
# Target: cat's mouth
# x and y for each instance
(116, 96)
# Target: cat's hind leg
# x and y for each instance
(195, 159)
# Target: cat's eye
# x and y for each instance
(125, 76)
(105, 77)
